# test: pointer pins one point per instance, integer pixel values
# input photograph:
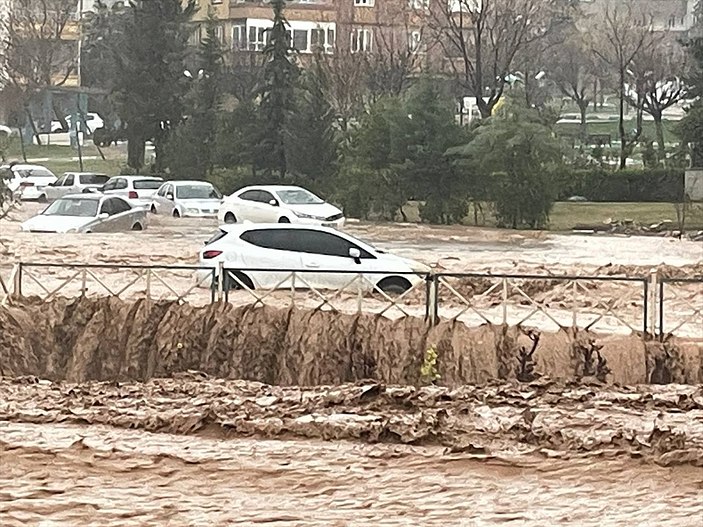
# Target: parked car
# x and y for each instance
(187, 198)
(279, 204)
(74, 183)
(26, 181)
(4, 129)
(313, 250)
(138, 190)
(92, 122)
(88, 213)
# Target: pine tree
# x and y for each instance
(280, 73)
(312, 139)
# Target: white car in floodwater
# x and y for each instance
(88, 213)
(279, 204)
(187, 198)
(262, 256)
(27, 182)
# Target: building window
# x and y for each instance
(419, 4)
(257, 38)
(364, 3)
(322, 40)
(415, 42)
(300, 39)
(239, 41)
(361, 40)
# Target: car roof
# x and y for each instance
(88, 196)
(237, 228)
(132, 177)
(19, 166)
(84, 174)
(271, 188)
(188, 182)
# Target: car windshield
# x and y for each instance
(147, 184)
(86, 208)
(298, 197)
(94, 179)
(197, 192)
(42, 172)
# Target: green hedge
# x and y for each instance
(599, 184)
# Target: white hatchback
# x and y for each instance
(279, 204)
(138, 190)
(27, 181)
(263, 256)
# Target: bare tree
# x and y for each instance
(657, 79)
(40, 53)
(481, 39)
(344, 81)
(572, 70)
(625, 33)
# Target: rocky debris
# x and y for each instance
(629, 226)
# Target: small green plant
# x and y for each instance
(428, 370)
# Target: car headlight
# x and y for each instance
(308, 216)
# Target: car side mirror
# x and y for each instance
(169, 196)
(273, 203)
(103, 215)
(355, 253)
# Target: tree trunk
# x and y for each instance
(621, 119)
(35, 132)
(583, 107)
(657, 116)
(135, 150)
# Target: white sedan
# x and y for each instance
(279, 204)
(88, 213)
(263, 256)
(27, 181)
(187, 198)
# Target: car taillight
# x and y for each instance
(26, 184)
(207, 255)
(133, 195)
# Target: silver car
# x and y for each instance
(74, 183)
(88, 213)
(187, 198)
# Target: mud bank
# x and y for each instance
(109, 339)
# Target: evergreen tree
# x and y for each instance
(312, 142)
(150, 86)
(280, 73)
(190, 148)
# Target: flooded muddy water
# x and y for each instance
(197, 451)
(72, 475)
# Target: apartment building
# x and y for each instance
(327, 26)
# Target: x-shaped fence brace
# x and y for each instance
(296, 278)
(539, 307)
(697, 311)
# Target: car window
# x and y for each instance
(107, 207)
(119, 205)
(68, 181)
(217, 236)
(110, 185)
(250, 195)
(302, 240)
(72, 207)
(146, 184)
(298, 197)
(39, 172)
(59, 183)
(265, 197)
(120, 183)
(93, 179)
(162, 190)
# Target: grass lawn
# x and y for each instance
(566, 215)
(611, 127)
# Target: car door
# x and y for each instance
(322, 252)
(267, 213)
(104, 224)
(162, 203)
(55, 190)
(70, 185)
(244, 205)
(272, 252)
(122, 217)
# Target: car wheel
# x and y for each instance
(176, 214)
(283, 219)
(42, 198)
(137, 227)
(394, 285)
(230, 218)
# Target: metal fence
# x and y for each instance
(614, 304)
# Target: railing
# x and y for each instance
(614, 304)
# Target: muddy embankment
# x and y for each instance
(87, 339)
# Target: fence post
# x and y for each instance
(84, 281)
(574, 309)
(505, 301)
(656, 303)
(221, 280)
(359, 293)
(292, 289)
(18, 281)
(148, 283)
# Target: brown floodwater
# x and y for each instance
(76, 475)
